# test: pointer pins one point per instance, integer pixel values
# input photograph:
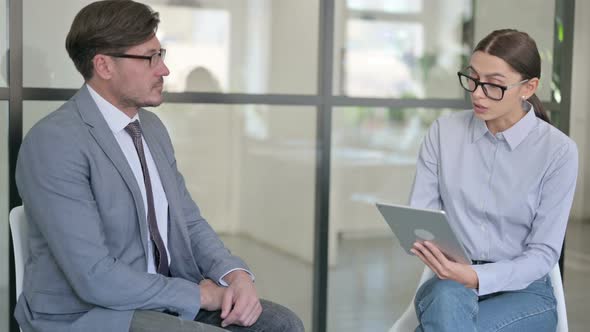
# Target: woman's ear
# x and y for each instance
(530, 87)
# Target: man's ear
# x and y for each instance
(103, 66)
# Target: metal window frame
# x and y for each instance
(324, 101)
(566, 11)
(15, 86)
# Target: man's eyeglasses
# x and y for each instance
(154, 59)
(491, 90)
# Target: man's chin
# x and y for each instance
(153, 103)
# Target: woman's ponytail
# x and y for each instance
(539, 109)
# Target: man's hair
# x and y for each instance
(108, 26)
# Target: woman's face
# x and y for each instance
(491, 69)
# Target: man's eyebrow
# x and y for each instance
(152, 51)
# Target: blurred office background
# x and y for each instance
(261, 91)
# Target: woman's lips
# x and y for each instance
(479, 108)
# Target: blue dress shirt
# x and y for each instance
(507, 196)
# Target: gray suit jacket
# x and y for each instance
(88, 233)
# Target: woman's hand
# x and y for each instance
(443, 267)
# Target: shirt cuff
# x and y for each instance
(225, 284)
(484, 279)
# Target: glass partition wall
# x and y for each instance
(289, 120)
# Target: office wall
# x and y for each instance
(277, 176)
(45, 60)
(294, 36)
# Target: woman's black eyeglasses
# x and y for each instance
(491, 90)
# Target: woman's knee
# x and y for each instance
(444, 293)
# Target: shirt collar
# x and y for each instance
(520, 130)
(513, 135)
(116, 119)
(478, 128)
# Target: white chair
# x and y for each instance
(408, 320)
(19, 229)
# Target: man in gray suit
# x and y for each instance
(117, 243)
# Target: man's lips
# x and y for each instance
(159, 84)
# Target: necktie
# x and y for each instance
(160, 255)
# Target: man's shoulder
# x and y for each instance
(65, 121)
(150, 117)
(152, 121)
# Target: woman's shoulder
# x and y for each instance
(450, 128)
(457, 117)
(455, 121)
(555, 141)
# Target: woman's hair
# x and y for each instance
(108, 26)
(519, 51)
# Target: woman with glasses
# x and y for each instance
(506, 178)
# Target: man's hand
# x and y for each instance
(211, 295)
(240, 304)
(443, 267)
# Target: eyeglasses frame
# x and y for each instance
(150, 58)
(483, 85)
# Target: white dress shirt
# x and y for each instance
(117, 121)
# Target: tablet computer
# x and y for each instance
(412, 224)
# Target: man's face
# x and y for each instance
(135, 82)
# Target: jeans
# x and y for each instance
(446, 305)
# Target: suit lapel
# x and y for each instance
(163, 166)
(182, 259)
(104, 137)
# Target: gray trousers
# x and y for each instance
(274, 318)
